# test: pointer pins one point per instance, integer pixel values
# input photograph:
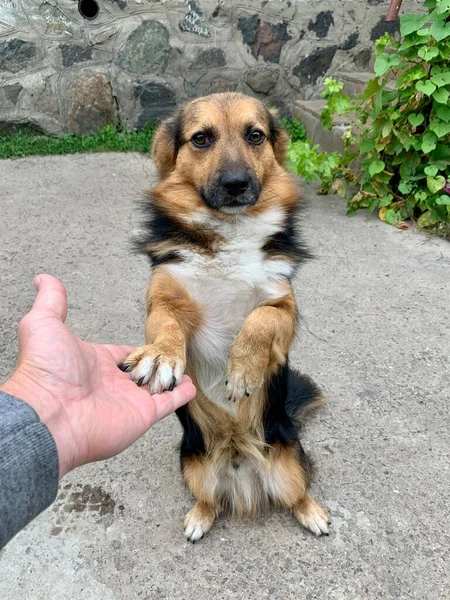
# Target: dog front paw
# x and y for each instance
(159, 369)
(245, 376)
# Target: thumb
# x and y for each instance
(51, 296)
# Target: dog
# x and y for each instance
(221, 234)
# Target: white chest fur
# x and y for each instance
(228, 286)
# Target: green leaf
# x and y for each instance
(434, 184)
(386, 200)
(415, 119)
(428, 52)
(404, 188)
(441, 95)
(441, 79)
(427, 87)
(440, 30)
(431, 170)
(376, 167)
(444, 199)
(442, 6)
(420, 195)
(440, 128)
(426, 220)
(443, 112)
(392, 217)
(367, 145)
(410, 23)
(428, 142)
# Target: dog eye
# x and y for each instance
(200, 140)
(255, 137)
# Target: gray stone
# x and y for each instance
(264, 39)
(382, 27)
(218, 83)
(11, 15)
(315, 65)
(11, 93)
(73, 53)
(91, 105)
(26, 126)
(16, 54)
(193, 21)
(262, 80)
(55, 21)
(209, 59)
(147, 50)
(157, 101)
(322, 23)
(120, 3)
(351, 41)
(190, 90)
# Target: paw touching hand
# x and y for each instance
(159, 369)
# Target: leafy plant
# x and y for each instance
(401, 123)
(295, 129)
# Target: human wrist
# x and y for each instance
(50, 412)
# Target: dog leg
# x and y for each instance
(261, 346)
(286, 481)
(172, 316)
(199, 521)
(311, 515)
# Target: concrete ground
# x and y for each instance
(374, 334)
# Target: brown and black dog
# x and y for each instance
(222, 239)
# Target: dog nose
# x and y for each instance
(235, 182)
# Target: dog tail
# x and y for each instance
(303, 397)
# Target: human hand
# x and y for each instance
(92, 409)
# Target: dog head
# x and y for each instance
(225, 146)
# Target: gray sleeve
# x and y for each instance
(29, 466)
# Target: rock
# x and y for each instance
(190, 90)
(263, 39)
(217, 83)
(73, 53)
(20, 126)
(157, 101)
(262, 80)
(322, 24)
(147, 50)
(91, 105)
(9, 94)
(384, 27)
(210, 59)
(120, 3)
(56, 23)
(351, 41)
(16, 54)
(193, 21)
(315, 65)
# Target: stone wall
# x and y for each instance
(135, 60)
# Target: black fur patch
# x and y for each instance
(192, 443)
(160, 227)
(278, 426)
(287, 242)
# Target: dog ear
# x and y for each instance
(278, 137)
(166, 143)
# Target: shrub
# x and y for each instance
(402, 124)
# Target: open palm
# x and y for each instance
(92, 408)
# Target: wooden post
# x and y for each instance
(393, 10)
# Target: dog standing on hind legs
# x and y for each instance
(221, 234)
